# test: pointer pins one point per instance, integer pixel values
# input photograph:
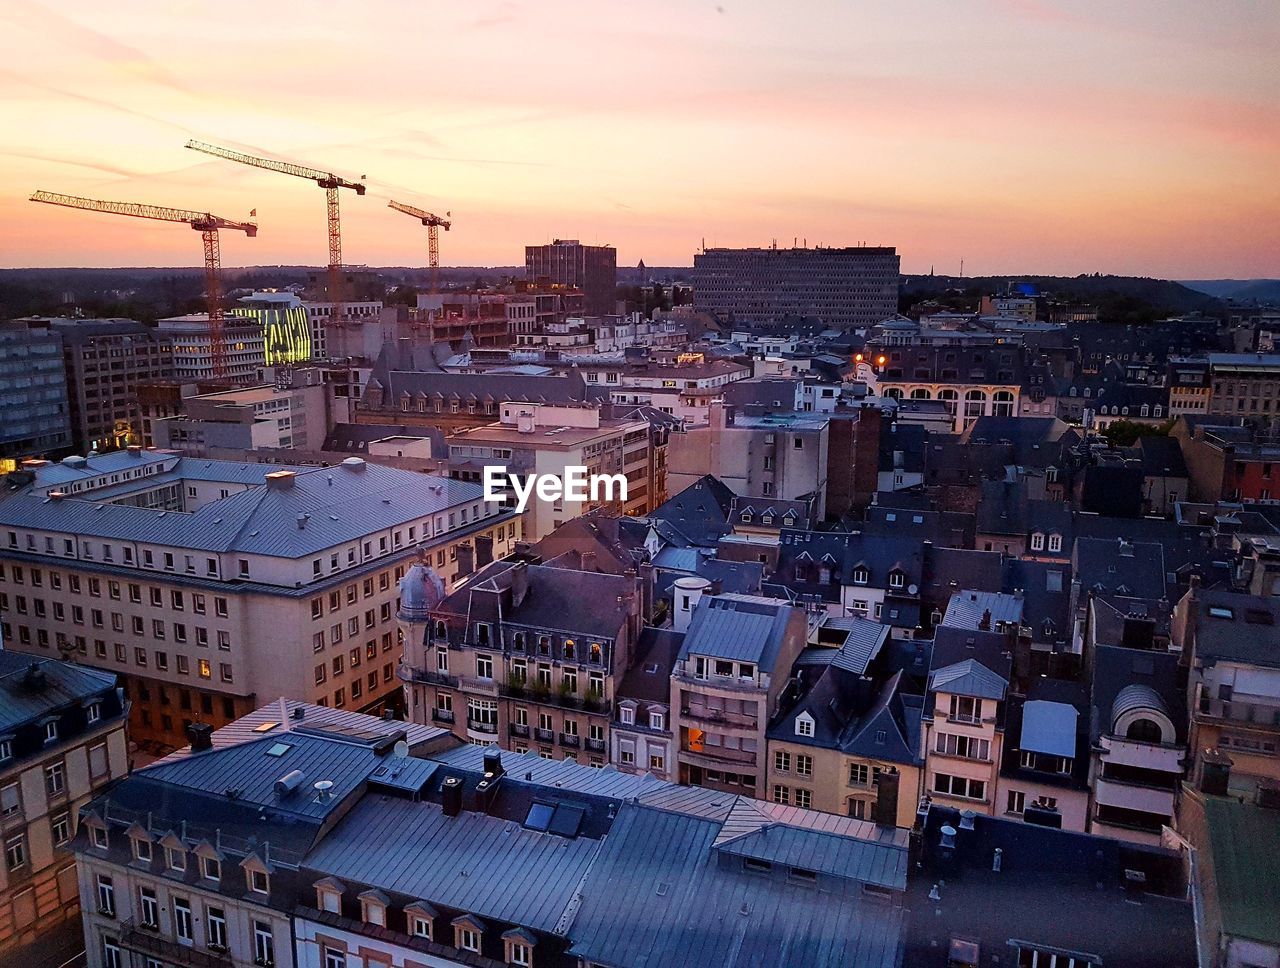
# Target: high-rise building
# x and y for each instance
(845, 288)
(106, 360)
(567, 262)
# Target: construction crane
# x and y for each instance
(433, 223)
(326, 180)
(204, 223)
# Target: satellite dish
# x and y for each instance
(401, 749)
(913, 589)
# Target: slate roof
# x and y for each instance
(1115, 490)
(485, 865)
(1250, 635)
(970, 609)
(656, 650)
(1120, 567)
(1045, 587)
(1116, 668)
(343, 504)
(969, 677)
(62, 684)
(669, 869)
(698, 515)
(741, 627)
(1161, 457)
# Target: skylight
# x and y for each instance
(279, 749)
(1221, 611)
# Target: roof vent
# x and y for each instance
(354, 464)
(300, 712)
(302, 520)
(201, 736)
(57, 495)
(291, 782)
(322, 789)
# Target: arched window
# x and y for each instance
(544, 645)
(440, 630)
(1144, 731)
(518, 642)
(596, 652)
(568, 648)
(893, 393)
(975, 403)
(921, 393)
(1002, 403)
(949, 397)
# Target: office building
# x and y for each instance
(62, 739)
(33, 393)
(844, 288)
(286, 327)
(209, 585)
(569, 264)
(243, 340)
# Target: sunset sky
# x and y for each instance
(1021, 136)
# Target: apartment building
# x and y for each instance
(62, 739)
(844, 287)
(848, 740)
(550, 858)
(569, 263)
(243, 340)
(640, 738)
(534, 440)
(972, 381)
(527, 657)
(770, 456)
(1230, 646)
(33, 393)
(728, 678)
(1138, 736)
(207, 585)
(1244, 384)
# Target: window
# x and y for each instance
(333, 958)
(1017, 802)
(149, 908)
(897, 579)
(521, 954)
(182, 920)
(1055, 542)
(217, 928)
(781, 794)
(99, 835)
(965, 709)
(142, 850)
(211, 868)
(259, 883)
(61, 826)
(782, 761)
(1037, 541)
(859, 774)
(106, 896)
(804, 725)
(55, 779)
(804, 765)
(51, 731)
(176, 858)
(468, 940)
(264, 946)
(110, 954)
(626, 715)
(804, 798)
(969, 747)
(959, 786)
(420, 927)
(15, 852)
(484, 666)
(1029, 957)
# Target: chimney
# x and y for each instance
(280, 480)
(1269, 793)
(519, 583)
(1215, 772)
(451, 796)
(997, 859)
(885, 811)
(466, 560)
(984, 623)
(302, 520)
(201, 736)
(493, 761)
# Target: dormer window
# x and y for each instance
(373, 908)
(259, 881)
(518, 944)
(1037, 541)
(804, 725)
(897, 579)
(211, 868)
(467, 933)
(176, 859)
(1055, 542)
(627, 715)
(142, 850)
(767, 519)
(568, 648)
(93, 713)
(51, 732)
(98, 834)
(861, 575)
(746, 517)
(329, 895)
(440, 630)
(420, 918)
(657, 719)
(518, 642)
(596, 652)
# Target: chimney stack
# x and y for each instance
(451, 796)
(1215, 772)
(201, 736)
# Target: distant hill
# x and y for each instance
(1262, 290)
(1121, 299)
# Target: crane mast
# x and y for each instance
(327, 180)
(433, 223)
(203, 222)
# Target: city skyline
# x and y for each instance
(1019, 136)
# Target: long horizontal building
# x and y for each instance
(210, 586)
(845, 288)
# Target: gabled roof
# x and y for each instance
(969, 677)
(26, 696)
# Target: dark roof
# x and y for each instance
(698, 515)
(1116, 668)
(740, 627)
(1120, 567)
(1115, 490)
(649, 679)
(355, 438)
(1055, 889)
(33, 687)
(1002, 508)
(1046, 596)
(1161, 457)
(1234, 627)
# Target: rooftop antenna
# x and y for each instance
(962, 268)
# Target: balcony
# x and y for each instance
(476, 726)
(595, 745)
(1262, 715)
(149, 945)
(427, 676)
(544, 735)
(570, 740)
(1133, 796)
(519, 730)
(720, 754)
(442, 715)
(720, 717)
(548, 697)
